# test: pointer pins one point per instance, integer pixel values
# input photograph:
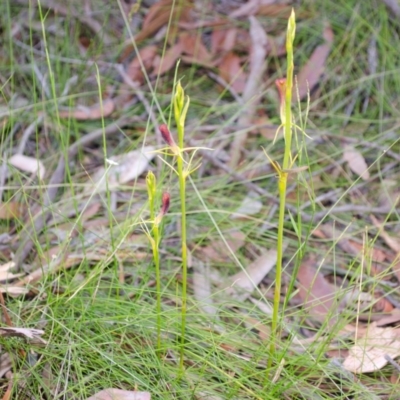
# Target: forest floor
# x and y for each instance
(86, 314)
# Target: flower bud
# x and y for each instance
(164, 208)
(179, 98)
(166, 135)
(165, 203)
(151, 184)
(291, 30)
(281, 86)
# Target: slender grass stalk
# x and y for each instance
(285, 89)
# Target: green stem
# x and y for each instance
(282, 183)
(156, 257)
(154, 237)
(182, 192)
(275, 327)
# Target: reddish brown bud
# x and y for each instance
(164, 208)
(166, 135)
(165, 203)
(281, 86)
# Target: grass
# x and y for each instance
(99, 314)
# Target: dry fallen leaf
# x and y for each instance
(242, 284)
(373, 253)
(263, 306)
(217, 250)
(251, 90)
(317, 294)
(393, 6)
(5, 273)
(257, 7)
(161, 13)
(118, 394)
(10, 210)
(356, 162)
(396, 266)
(368, 353)
(393, 243)
(14, 291)
(202, 288)
(207, 396)
(232, 72)
(392, 318)
(389, 195)
(355, 299)
(97, 111)
(6, 363)
(250, 205)
(248, 8)
(312, 71)
(341, 237)
(27, 333)
(146, 57)
(193, 50)
(276, 10)
(193, 46)
(123, 168)
(264, 331)
(168, 61)
(28, 164)
(223, 40)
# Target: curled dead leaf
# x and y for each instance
(223, 40)
(368, 353)
(168, 61)
(392, 318)
(356, 162)
(146, 57)
(193, 46)
(244, 282)
(5, 272)
(123, 168)
(6, 364)
(317, 294)
(26, 333)
(231, 71)
(392, 242)
(10, 210)
(250, 205)
(14, 291)
(312, 71)
(202, 288)
(217, 251)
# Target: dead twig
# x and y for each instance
(392, 362)
(4, 309)
(27, 133)
(393, 6)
